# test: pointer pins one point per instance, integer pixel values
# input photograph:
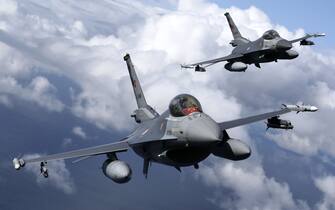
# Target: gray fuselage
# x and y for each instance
(263, 51)
(194, 135)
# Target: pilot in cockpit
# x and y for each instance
(183, 105)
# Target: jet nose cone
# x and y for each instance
(283, 45)
(314, 108)
(202, 129)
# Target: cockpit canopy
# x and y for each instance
(270, 34)
(183, 105)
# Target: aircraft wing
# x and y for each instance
(251, 119)
(90, 151)
(213, 61)
(306, 37)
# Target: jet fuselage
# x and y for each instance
(195, 134)
(263, 51)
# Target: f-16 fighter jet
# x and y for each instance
(183, 135)
(268, 48)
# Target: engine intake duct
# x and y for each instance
(233, 149)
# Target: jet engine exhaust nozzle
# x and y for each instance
(233, 149)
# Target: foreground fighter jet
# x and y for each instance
(182, 136)
(268, 48)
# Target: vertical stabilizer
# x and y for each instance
(140, 99)
(236, 33)
(144, 111)
(238, 38)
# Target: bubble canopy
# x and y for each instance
(183, 105)
(270, 34)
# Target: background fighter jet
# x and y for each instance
(270, 47)
(182, 136)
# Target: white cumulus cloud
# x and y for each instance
(79, 132)
(251, 188)
(326, 185)
(59, 175)
(39, 91)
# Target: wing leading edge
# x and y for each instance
(251, 119)
(90, 151)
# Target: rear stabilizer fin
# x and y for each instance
(144, 111)
(238, 38)
(234, 30)
(140, 99)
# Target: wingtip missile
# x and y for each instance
(197, 68)
(301, 108)
(319, 34)
(316, 34)
(184, 66)
(18, 163)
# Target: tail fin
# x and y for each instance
(238, 38)
(140, 99)
(144, 111)
(236, 33)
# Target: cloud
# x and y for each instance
(39, 91)
(85, 43)
(291, 141)
(5, 101)
(59, 175)
(326, 185)
(324, 95)
(67, 142)
(8, 7)
(251, 188)
(79, 132)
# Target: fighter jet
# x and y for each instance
(268, 48)
(183, 135)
